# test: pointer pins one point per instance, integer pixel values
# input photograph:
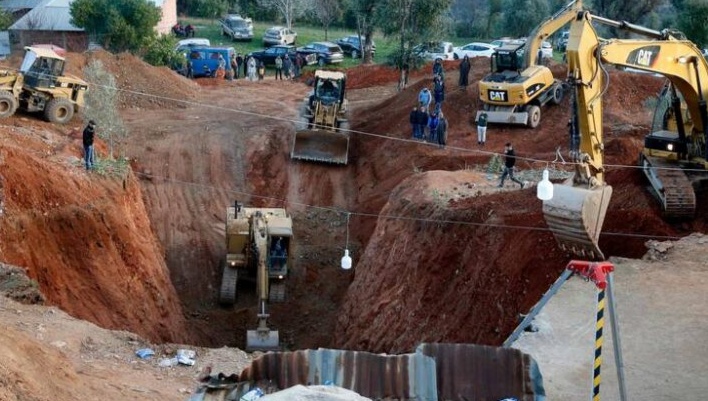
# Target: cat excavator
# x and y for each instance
(258, 244)
(576, 211)
(519, 85)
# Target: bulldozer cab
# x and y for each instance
(508, 58)
(329, 91)
(41, 67)
(280, 231)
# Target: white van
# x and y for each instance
(193, 42)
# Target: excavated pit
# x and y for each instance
(439, 253)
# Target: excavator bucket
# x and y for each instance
(321, 145)
(262, 340)
(575, 216)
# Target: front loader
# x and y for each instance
(41, 86)
(323, 132)
(258, 249)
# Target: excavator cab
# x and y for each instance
(322, 135)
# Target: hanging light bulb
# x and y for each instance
(346, 260)
(544, 190)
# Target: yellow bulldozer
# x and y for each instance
(675, 153)
(258, 242)
(519, 85)
(41, 86)
(322, 135)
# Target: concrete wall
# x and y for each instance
(169, 17)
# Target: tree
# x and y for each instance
(119, 25)
(631, 11)
(520, 17)
(412, 21)
(289, 9)
(102, 104)
(327, 11)
(693, 21)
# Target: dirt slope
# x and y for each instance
(84, 238)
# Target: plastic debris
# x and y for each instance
(167, 362)
(144, 353)
(252, 395)
(186, 357)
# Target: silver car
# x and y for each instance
(279, 35)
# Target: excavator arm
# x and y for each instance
(577, 210)
(548, 28)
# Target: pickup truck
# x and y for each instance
(237, 27)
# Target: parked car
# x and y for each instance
(474, 49)
(268, 56)
(562, 41)
(434, 50)
(546, 49)
(325, 52)
(279, 35)
(237, 27)
(203, 61)
(352, 46)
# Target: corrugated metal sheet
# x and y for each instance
(19, 4)
(52, 15)
(484, 373)
(434, 372)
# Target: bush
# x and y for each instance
(161, 51)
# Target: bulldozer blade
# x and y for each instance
(575, 216)
(262, 340)
(321, 146)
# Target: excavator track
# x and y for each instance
(227, 295)
(671, 186)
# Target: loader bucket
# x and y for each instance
(262, 340)
(321, 146)
(575, 216)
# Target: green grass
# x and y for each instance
(211, 29)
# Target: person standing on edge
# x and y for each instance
(438, 69)
(509, 163)
(261, 70)
(482, 129)
(89, 133)
(252, 69)
(299, 61)
(278, 68)
(287, 66)
(424, 98)
(465, 67)
(433, 128)
(413, 119)
(442, 130)
(422, 122)
(239, 62)
(438, 93)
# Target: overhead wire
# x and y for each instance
(387, 137)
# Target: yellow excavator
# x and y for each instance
(323, 132)
(258, 244)
(576, 212)
(519, 85)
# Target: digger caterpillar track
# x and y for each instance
(671, 186)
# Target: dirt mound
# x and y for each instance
(141, 85)
(84, 238)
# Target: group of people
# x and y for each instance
(431, 125)
(290, 67)
(184, 31)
